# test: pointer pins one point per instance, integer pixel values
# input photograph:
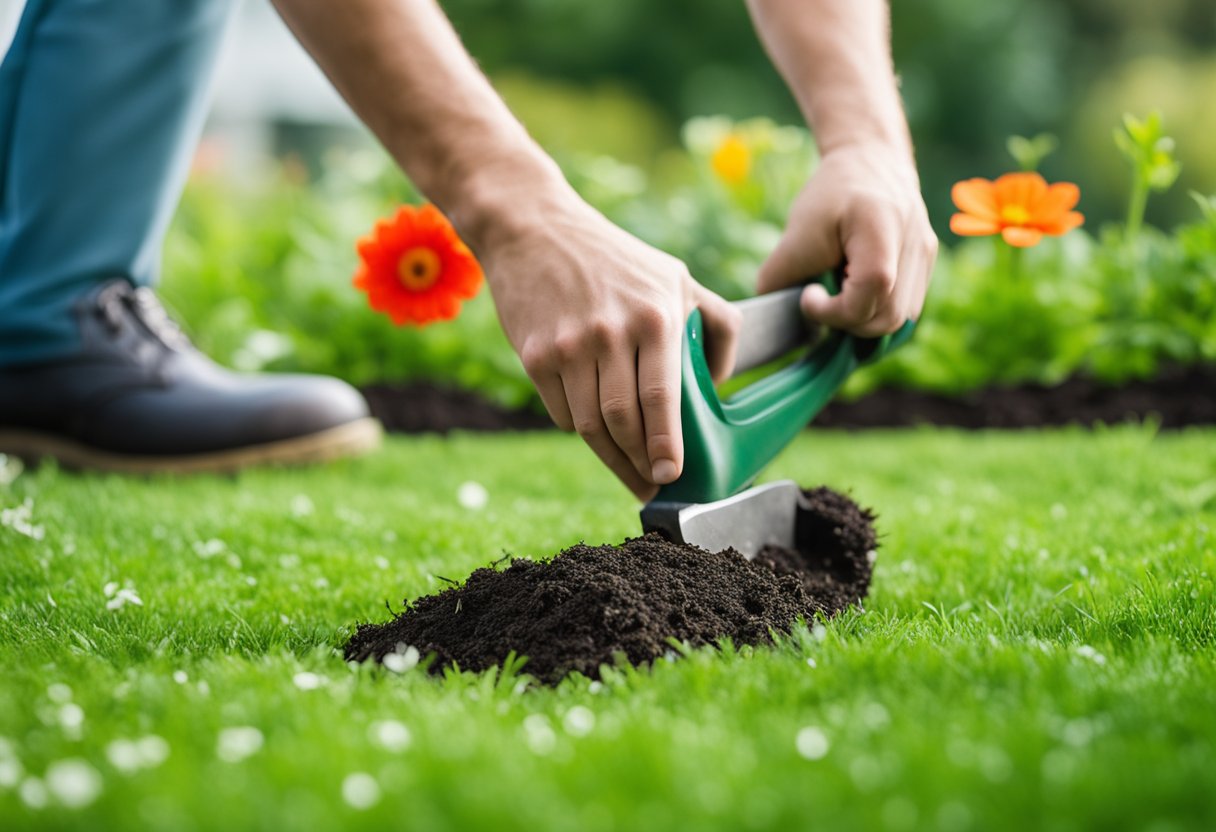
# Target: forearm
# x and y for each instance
(835, 57)
(403, 70)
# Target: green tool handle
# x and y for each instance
(727, 443)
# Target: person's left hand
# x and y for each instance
(861, 208)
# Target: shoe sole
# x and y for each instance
(345, 440)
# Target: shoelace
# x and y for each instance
(117, 299)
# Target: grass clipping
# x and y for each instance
(590, 604)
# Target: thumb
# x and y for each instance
(809, 246)
(722, 324)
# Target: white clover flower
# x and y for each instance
(73, 782)
(1087, 652)
(539, 735)
(238, 743)
(122, 597)
(360, 790)
(579, 721)
(33, 793)
(10, 766)
(390, 735)
(403, 659)
(20, 519)
(59, 693)
(812, 743)
(10, 773)
(70, 717)
(209, 548)
(472, 495)
(129, 756)
(10, 468)
(305, 680)
(302, 506)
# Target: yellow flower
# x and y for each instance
(732, 159)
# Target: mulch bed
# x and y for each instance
(1179, 397)
(590, 605)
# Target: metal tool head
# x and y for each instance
(746, 522)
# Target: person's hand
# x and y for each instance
(597, 318)
(862, 208)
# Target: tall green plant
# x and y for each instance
(1154, 167)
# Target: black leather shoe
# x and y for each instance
(138, 397)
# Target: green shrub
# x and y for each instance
(261, 272)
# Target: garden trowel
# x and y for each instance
(728, 441)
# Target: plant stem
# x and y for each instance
(1008, 260)
(1135, 207)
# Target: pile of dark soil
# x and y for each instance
(422, 407)
(590, 603)
(1179, 397)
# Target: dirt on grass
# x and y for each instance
(591, 604)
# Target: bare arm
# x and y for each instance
(863, 204)
(594, 313)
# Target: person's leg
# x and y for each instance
(101, 103)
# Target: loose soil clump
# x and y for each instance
(590, 604)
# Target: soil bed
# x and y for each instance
(1179, 397)
(422, 407)
(590, 604)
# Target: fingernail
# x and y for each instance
(663, 471)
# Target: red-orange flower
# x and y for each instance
(415, 269)
(1021, 207)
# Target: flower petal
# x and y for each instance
(1060, 198)
(966, 225)
(1064, 224)
(1022, 237)
(976, 197)
(1022, 188)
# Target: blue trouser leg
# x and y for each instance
(101, 103)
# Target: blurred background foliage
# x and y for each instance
(620, 78)
(259, 266)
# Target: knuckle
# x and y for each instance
(536, 357)
(881, 278)
(588, 428)
(617, 411)
(651, 320)
(931, 247)
(655, 396)
(601, 332)
(886, 322)
(566, 347)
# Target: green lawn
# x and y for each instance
(1037, 651)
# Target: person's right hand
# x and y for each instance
(597, 318)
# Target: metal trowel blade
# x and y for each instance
(747, 522)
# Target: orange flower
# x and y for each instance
(415, 269)
(1021, 207)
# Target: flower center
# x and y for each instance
(1015, 214)
(732, 160)
(418, 268)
